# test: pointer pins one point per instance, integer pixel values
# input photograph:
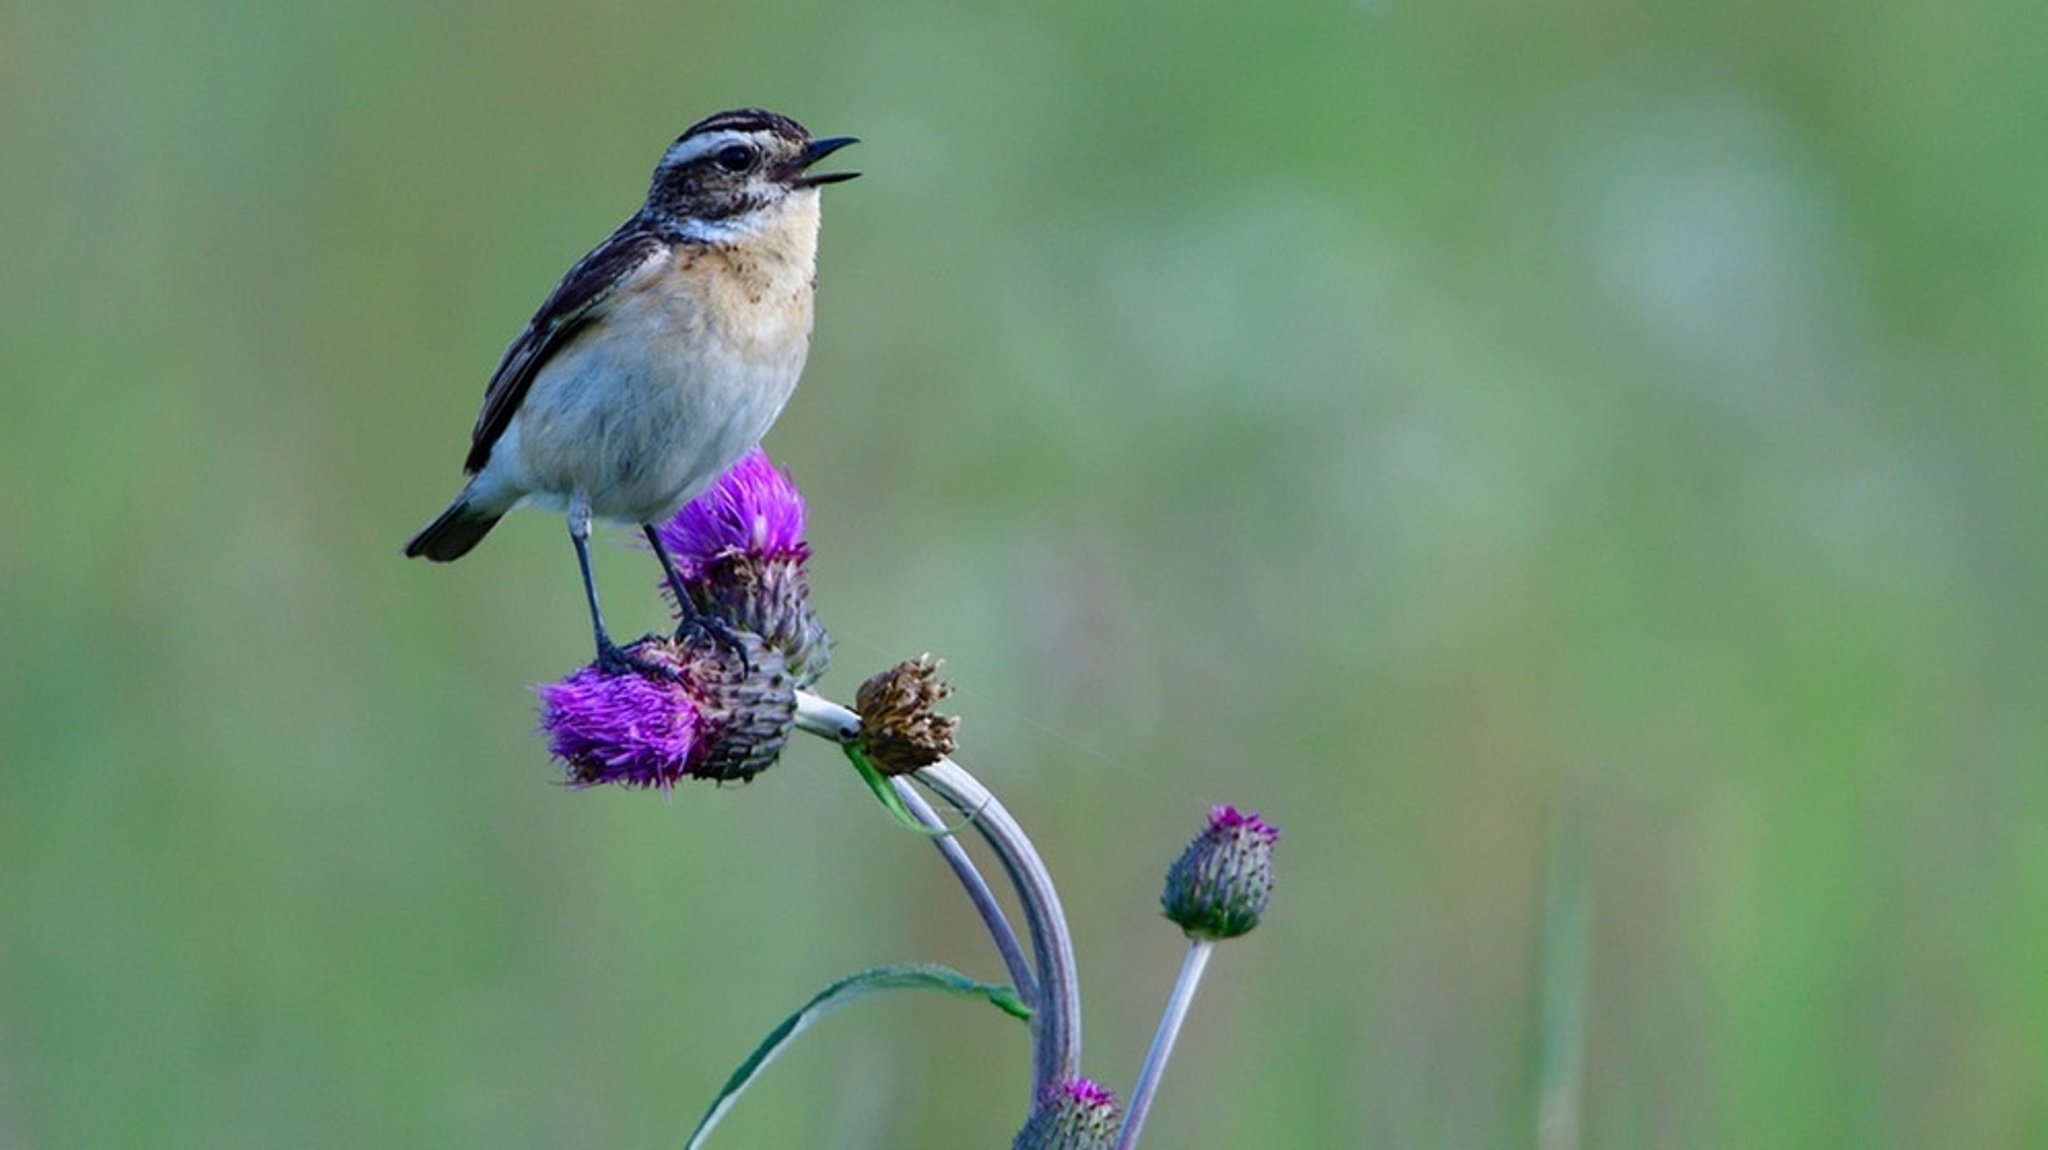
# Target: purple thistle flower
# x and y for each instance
(1075, 1115)
(1220, 885)
(740, 550)
(628, 728)
(691, 707)
(752, 510)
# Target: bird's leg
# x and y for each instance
(612, 659)
(689, 617)
(668, 567)
(609, 656)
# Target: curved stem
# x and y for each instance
(984, 899)
(1162, 1043)
(1056, 1005)
(1057, 1021)
(820, 716)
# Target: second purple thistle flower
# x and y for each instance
(741, 552)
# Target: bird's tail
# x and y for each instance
(454, 531)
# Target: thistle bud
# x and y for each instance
(1220, 885)
(1075, 1115)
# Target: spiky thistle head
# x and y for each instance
(694, 706)
(1220, 885)
(1077, 1114)
(739, 548)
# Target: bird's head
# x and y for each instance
(740, 172)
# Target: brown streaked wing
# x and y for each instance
(576, 301)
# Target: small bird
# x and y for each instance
(663, 355)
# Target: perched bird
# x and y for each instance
(663, 355)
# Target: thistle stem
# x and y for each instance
(1176, 1013)
(1056, 1023)
(817, 715)
(984, 899)
(1056, 1003)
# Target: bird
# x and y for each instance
(662, 356)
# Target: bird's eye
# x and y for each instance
(735, 157)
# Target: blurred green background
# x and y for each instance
(1577, 466)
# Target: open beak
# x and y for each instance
(818, 150)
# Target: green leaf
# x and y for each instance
(907, 976)
(887, 796)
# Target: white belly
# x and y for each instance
(642, 415)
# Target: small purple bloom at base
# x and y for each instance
(1075, 1115)
(1088, 1094)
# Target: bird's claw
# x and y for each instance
(703, 625)
(613, 659)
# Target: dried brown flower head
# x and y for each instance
(899, 731)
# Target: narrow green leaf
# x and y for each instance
(907, 976)
(887, 796)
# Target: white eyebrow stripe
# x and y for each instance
(692, 147)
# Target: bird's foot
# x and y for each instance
(703, 625)
(613, 659)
